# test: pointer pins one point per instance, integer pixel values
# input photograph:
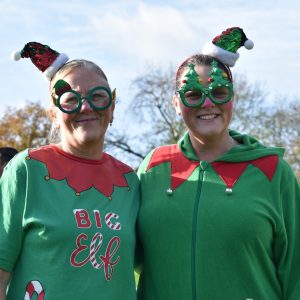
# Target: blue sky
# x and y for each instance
(124, 37)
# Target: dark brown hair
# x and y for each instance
(7, 153)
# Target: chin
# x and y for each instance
(213, 133)
(208, 131)
(89, 138)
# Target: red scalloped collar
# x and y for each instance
(181, 166)
(82, 174)
(229, 172)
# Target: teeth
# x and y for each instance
(207, 117)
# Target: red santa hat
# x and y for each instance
(43, 57)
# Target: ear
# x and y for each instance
(176, 103)
(113, 104)
(114, 95)
(51, 112)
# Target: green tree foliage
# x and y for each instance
(24, 127)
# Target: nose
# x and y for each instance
(85, 106)
(207, 103)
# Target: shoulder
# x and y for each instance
(284, 170)
(283, 177)
(118, 167)
(159, 155)
(42, 152)
(16, 167)
(117, 163)
(18, 160)
(165, 151)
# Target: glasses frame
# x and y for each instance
(206, 92)
(88, 98)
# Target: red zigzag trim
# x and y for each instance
(229, 172)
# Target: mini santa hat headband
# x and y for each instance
(43, 57)
(224, 46)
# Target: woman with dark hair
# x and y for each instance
(220, 212)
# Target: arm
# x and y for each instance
(12, 200)
(4, 278)
(286, 248)
(139, 247)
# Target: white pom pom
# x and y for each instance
(16, 55)
(249, 44)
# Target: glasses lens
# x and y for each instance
(100, 98)
(69, 101)
(220, 93)
(193, 97)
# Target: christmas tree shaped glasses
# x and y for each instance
(219, 90)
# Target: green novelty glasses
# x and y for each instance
(219, 90)
(99, 98)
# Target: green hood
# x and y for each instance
(249, 148)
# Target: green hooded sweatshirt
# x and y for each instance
(222, 230)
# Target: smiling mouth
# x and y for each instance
(86, 120)
(207, 117)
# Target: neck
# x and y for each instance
(209, 149)
(89, 151)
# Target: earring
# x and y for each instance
(111, 121)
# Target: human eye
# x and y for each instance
(100, 98)
(193, 96)
(220, 93)
(68, 100)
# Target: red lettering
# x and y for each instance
(108, 264)
(95, 245)
(82, 218)
(97, 218)
(110, 224)
(79, 249)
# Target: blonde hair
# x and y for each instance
(54, 135)
(76, 64)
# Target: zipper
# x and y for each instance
(194, 232)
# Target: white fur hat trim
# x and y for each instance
(57, 64)
(226, 57)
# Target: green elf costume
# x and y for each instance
(67, 224)
(227, 229)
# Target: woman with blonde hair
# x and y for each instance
(68, 213)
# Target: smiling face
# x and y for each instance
(210, 121)
(86, 128)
